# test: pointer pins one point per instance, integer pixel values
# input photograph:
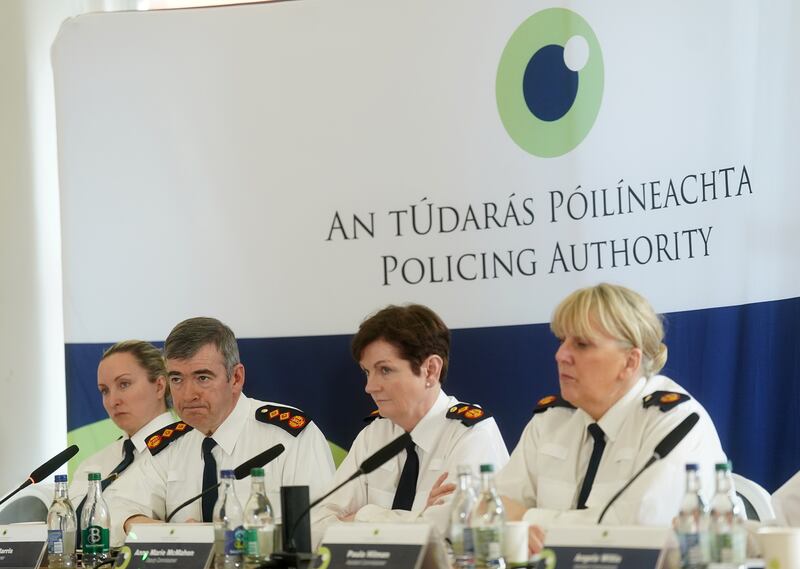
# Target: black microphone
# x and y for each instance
(259, 460)
(241, 471)
(675, 436)
(381, 457)
(377, 459)
(46, 469)
(663, 448)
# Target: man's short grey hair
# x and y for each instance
(188, 337)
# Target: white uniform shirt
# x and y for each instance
(160, 483)
(786, 501)
(107, 459)
(548, 465)
(442, 444)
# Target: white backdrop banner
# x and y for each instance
(291, 167)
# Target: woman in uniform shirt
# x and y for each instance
(131, 378)
(404, 352)
(583, 445)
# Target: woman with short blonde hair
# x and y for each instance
(584, 444)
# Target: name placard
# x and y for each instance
(22, 546)
(374, 546)
(604, 547)
(176, 546)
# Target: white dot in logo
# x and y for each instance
(576, 53)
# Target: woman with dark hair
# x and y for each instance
(404, 354)
(581, 447)
(132, 380)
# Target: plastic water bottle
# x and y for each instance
(228, 529)
(95, 522)
(728, 536)
(460, 533)
(61, 528)
(692, 524)
(488, 518)
(259, 524)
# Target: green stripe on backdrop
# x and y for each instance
(93, 437)
(90, 439)
(338, 453)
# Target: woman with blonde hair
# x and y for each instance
(583, 445)
(132, 380)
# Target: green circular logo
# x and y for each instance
(550, 82)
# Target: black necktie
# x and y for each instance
(127, 460)
(209, 479)
(407, 487)
(594, 461)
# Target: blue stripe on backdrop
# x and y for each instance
(742, 363)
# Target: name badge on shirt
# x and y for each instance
(617, 547)
(22, 546)
(181, 546)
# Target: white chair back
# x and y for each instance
(757, 501)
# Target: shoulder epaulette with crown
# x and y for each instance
(376, 414)
(665, 400)
(291, 420)
(550, 402)
(468, 414)
(159, 440)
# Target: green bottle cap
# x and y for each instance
(94, 476)
(257, 472)
(487, 467)
(724, 466)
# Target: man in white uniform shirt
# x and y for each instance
(220, 429)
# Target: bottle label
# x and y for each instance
(694, 549)
(729, 547)
(259, 541)
(95, 540)
(461, 540)
(55, 541)
(487, 543)
(251, 542)
(234, 541)
(469, 545)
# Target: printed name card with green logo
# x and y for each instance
(380, 546)
(181, 546)
(22, 546)
(603, 547)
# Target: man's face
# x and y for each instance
(202, 392)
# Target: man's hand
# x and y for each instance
(347, 517)
(439, 491)
(535, 539)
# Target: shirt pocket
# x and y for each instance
(381, 485)
(176, 483)
(612, 477)
(555, 494)
(176, 476)
(623, 463)
(559, 452)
